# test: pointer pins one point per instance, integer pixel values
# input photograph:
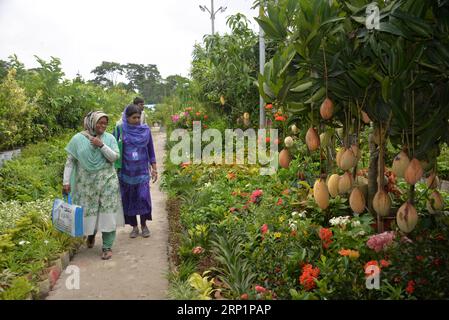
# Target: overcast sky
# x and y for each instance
(83, 33)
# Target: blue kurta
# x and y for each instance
(134, 179)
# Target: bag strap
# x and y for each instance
(68, 198)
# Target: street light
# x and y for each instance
(212, 13)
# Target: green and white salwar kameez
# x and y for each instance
(94, 185)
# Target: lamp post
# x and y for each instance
(212, 13)
(261, 66)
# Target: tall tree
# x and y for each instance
(107, 73)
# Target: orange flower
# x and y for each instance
(206, 117)
(286, 192)
(308, 277)
(344, 252)
(279, 118)
(352, 254)
(371, 263)
(267, 139)
(198, 114)
(384, 263)
(280, 202)
(269, 106)
(230, 176)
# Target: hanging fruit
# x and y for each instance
(365, 118)
(327, 109)
(288, 141)
(407, 217)
(382, 203)
(321, 194)
(435, 203)
(400, 164)
(332, 185)
(295, 129)
(340, 153)
(357, 153)
(325, 139)
(348, 160)
(414, 172)
(284, 158)
(312, 139)
(345, 183)
(433, 181)
(357, 201)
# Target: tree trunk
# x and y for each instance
(372, 173)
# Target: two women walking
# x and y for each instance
(109, 199)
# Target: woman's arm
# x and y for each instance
(109, 154)
(67, 173)
(152, 158)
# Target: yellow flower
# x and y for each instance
(281, 219)
(277, 235)
(353, 254)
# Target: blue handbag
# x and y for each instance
(68, 217)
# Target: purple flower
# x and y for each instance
(380, 241)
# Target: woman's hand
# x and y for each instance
(95, 141)
(66, 189)
(154, 175)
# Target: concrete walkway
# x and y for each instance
(138, 267)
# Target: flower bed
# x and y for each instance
(265, 238)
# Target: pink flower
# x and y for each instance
(280, 202)
(255, 195)
(260, 289)
(175, 118)
(264, 228)
(197, 250)
(380, 241)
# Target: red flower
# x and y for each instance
(279, 118)
(244, 296)
(256, 195)
(280, 202)
(436, 262)
(260, 289)
(206, 117)
(264, 228)
(410, 287)
(308, 277)
(384, 263)
(197, 250)
(293, 233)
(204, 126)
(371, 263)
(325, 236)
(419, 258)
(232, 209)
(198, 114)
(286, 192)
(267, 139)
(269, 106)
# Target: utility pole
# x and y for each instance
(261, 66)
(212, 13)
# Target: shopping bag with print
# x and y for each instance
(67, 217)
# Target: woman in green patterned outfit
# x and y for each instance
(90, 176)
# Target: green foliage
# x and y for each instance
(227, 66)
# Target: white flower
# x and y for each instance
(340, 221)
(296, 214)
(361, 233)
(23, 242)
(356, 223)
(46, 241)
(207, 185)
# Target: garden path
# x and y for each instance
(138, 267)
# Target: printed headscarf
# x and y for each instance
(90, 121)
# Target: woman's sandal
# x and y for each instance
(107, 254)
(90, 241)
